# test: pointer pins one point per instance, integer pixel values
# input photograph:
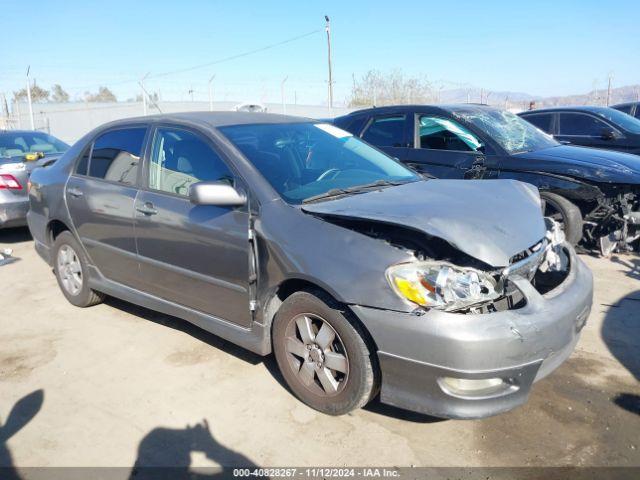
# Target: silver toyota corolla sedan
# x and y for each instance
(291, 236)
(20, 152)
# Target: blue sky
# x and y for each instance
(538, 47)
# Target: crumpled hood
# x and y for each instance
(491, 220)
(592, 163)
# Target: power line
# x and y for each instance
(235, 57)
(208, 64)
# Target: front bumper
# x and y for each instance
(518, 346)
(13, 213)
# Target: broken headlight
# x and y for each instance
(442, 285)
(555, 260)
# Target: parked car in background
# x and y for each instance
(594, 194)
(286, 234)
(631, 108)
(589, 126)
(20, 152)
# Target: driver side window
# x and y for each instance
(180, 158)
(437, 133)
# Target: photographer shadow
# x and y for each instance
(165, 453)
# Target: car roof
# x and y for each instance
(442, 108)
(625, 104)
(21, 131)
(216, 119)
(572, 108)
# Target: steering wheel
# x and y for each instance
(329, 174)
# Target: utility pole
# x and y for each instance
(211, 92)
(328, 30)
(609, 89)
(190, 92)
(284, 106)
(33, 125)
(144, 94)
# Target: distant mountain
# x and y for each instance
(520, 100)
(473, 95)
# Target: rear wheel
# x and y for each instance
(70, 268)
(322, 354)
(565, 213)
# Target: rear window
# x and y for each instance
(18, 144)
(624, 108)
(116, 154)
(540, 120)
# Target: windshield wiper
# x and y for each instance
(336, 192)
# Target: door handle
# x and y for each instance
(75, 192)
(147, 209)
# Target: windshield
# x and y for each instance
(18, 144)
(511, 132)
(304, 160)
(624, 121)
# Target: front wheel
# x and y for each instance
(565, 213)
(322, 354)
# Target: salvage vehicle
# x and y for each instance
(593, 194)
(20, 152)
(589, 126)
(286, 235)
(630, 108)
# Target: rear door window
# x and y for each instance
(580, 124)
(540, 120)
(385, 131)
(116, 155)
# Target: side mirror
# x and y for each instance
(608, 134)
(216, 193)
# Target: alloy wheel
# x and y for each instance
(69, 270)
(316, 354)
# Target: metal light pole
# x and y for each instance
(144, 94)
(328, 30)
(33, 125)
(284, 106)
(211, 92)
(609, 90)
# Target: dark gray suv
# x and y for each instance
(291, 236)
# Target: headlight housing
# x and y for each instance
(442, 285)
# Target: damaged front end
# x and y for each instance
(447, 279)
(452, 288)
(613, 225)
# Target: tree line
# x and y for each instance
(57, 94)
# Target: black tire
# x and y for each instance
(84, 296)
(566, 213)
(355, 388)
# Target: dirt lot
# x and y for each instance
(115, 384)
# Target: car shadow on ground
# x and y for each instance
(22, 413)
(14, 235)
(375, 406)
(621, 333)
(166, 453)
(185, 327)
(632, 265)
